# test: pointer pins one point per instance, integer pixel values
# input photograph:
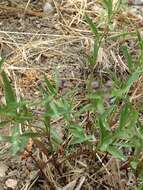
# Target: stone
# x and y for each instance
(48, 7)
(11, 183)
(3, 169)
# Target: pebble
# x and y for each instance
(3, 100)
(3, 169)
(11, 183)
(136, 2)
(48, 7)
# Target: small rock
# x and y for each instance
(48, 8)
(11, 183)
(3, 100)
(135, 2)
(1, 187)
(3, 169)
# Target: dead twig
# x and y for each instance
(14, 11)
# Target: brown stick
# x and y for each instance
(15, 10)
(40, 168)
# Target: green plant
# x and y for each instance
(127, 133)
(111, 8)
(54, 108)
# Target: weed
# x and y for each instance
(126, 133)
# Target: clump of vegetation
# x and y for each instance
(101, 124)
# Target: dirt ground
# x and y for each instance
(36, 43)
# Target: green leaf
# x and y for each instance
(135, 76)
(9, 93)
(123, 35)
(132, 78)
(5, 138)
(3, 123)
(97, 102)
(116, 152)
(31, 135)
(128, 57)
(55, 136)
(83, 109)
(10, 114)
(136, 142)
(127, 124)
(117, 82)
(1, 63)
(80, 140)
(140, 39)
(57, 80)
(95, 51)
(138, 187)
(92, 26)
(55, 139)
(76, 131)
(108, 4)
(78, 135)
(18, 142)
(117, 5)
(124, 116)
(7, 111)
(51, 89)
(106, 137)
(50, 107)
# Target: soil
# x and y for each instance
(35, 44)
